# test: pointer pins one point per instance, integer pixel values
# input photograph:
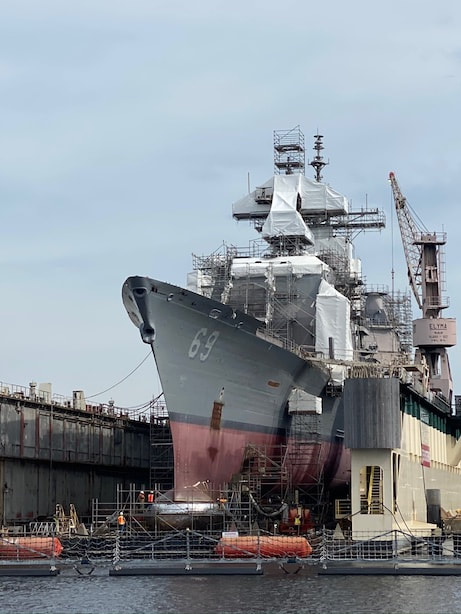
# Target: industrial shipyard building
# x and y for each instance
(57, 451)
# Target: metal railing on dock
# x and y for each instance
(327, 545)
(188, 549)
(30, 554)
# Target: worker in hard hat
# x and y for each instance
(141, 499)
(121, 522)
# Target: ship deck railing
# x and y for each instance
(39, 398)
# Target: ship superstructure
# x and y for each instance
(258, 346)
(302, 281)
(278, 359)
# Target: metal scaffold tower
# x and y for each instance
(260, 488)
(290, 473)
(267, 474)
(161, 470)
(280, 294)
(304, 459)
(400, 307)
(214, 272)
(396, 316)
(289, 153)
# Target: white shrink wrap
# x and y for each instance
(332, 321)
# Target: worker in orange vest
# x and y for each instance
(150, 499)
(121, 522)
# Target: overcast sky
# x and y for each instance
(128, 129)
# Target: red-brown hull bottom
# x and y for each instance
(209, 458)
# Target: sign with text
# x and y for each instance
(437, 332)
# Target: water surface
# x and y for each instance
(281, 594)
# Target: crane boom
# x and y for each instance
(410, 233)
(432, 334)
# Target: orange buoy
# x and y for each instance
(266, 546)
(24, 548)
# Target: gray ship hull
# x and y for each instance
(226, 385)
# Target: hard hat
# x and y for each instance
(141, 492)
(121, 513)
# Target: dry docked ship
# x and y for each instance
(282, 344)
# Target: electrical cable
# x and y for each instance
(143, 408)
(120, 381)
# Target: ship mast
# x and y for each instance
(318, 162)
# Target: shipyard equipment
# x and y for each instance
(432, 334)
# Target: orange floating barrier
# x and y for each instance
(265, 546)
(24, 548)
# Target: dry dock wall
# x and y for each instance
(51, 454)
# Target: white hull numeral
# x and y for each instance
(203, 343)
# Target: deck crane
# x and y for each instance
(432, 334)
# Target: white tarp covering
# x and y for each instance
(333, 245)
(338, 374)
(199, 283)
(283, 219)
(333, 321)
(318, 197)
(247, 206)
(301, 402)
(280, 266)
(356, 266)
(315, 197)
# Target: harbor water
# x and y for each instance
(281, 594)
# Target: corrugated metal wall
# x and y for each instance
(372, 417)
